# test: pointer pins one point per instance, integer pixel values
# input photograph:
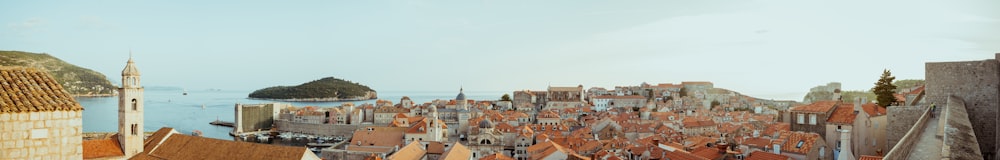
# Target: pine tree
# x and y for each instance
(505, 97)
(884, 89)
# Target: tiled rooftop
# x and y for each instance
(102, 148)
(816, 107)
(31, 90)
(844, 114)
(758, 155)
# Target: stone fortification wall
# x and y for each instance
(977, 83)
(41, 135)
(901, 119)
(318, 129)
(959, 138)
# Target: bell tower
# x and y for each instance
(130, 132)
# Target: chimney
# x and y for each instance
(857, 105)
(836, 94)
(845, 145)
(777, 149)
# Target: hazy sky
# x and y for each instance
(770, 48)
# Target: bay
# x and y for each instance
(170, 108)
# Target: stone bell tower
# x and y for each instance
(130, 132)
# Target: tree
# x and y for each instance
(505, 97)
(884, 89)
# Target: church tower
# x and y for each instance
(130, 132)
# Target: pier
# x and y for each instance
(223, 123)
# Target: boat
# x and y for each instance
(185, 92)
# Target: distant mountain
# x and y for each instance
(76, 80)
(325, 89)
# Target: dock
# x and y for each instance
(223, 123)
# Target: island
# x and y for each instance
(323, 90)
(78, 81)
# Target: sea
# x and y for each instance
(194, 111)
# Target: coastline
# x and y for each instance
(315, 99)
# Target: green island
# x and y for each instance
(325, 89)
(78, 81)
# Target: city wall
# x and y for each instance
(41, 135)
(901, 119)
(977, 83)
(318, 129)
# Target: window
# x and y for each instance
(812, 119)
(802, 119)
(799, 145)
(133, 129)
(873, 141)
(838, 127)
(135, 104)
(876, 125)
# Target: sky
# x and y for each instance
(774, 49)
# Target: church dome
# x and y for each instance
(461, 95)
(485, 124)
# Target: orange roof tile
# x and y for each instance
(844, 114)
(777, 127)
(412, 151)
(380, 136)
(32, 90)
(102, 148)
(759, 142)
(180, 146)
(816, 107)
(435, 147)
(867, 157)
(708, 152)
(758, 155)
(873, 109)
(457, 152)
(496, 156)
(808, 140)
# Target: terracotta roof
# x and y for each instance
(873, 109)
(844, 114)
(457, 152)
(758, 142)
(412, 151)
(379, 136)
(696, 83)
(496, 156)
(180, 146)
(681, 155)
(867, 157)
(777, 127)
(32, 90)
(102, 148)
(793, 138)
(157, 138)
(708, 123)
(816, 107)
(758, 155)
(708, 152)
(435, 147)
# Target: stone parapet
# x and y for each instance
(906, 144)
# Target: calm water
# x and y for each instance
(169, 108)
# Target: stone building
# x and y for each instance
(485, 140)
(976, 82)
(565, 97)
(812, 117)
(253, 117)
(38, 118)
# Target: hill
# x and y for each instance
(325, 89)
(76, 80)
